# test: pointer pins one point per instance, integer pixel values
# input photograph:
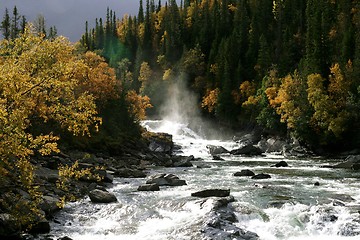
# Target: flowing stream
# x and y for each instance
(288, 206)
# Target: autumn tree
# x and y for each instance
(39, 79)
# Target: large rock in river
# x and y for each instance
(216, 150)
(161, 142)
(163, 179)
(101, 196)
(248, 150)
(244, 173)
(212, 193)
(261, 176)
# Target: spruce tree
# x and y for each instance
(5, 25)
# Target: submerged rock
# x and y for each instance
(244, 173)
(101, 196)
(212, 193)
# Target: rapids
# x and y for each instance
(288, 206)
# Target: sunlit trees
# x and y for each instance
(39, 81)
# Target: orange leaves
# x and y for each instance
(98, 79)
(138, 104)
(210, 100)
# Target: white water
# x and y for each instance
(288, 206)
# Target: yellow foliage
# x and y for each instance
(167, 74)
(330, 105)
(210, 100)
(286, 99)
(138, 104)
(39, 79)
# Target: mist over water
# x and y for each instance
(182, 106)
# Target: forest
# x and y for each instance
(288, 67)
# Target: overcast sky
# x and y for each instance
(69, 16)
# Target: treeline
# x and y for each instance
(14, 25)
(289, 66)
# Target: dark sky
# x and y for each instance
(69, 16)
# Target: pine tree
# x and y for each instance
(5, 25)
(15, 30)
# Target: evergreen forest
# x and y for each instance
(288, 67)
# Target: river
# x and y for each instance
(288, 206)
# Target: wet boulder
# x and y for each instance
(212, 193)
(219, 223)
(9, 227)
(161, 142)
(280, 164)
(217, 158)
(149, 187)
(163, 179)
(247, 150)
(244, 173)
(41, 226)
(101, 196)
(50, 205)
(183, 161)
(261, 176)
(216, 150)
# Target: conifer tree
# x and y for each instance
(5, 25)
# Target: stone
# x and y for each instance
(149, 187)
(281, 164)
(50, 205)
(316, 184)
(106, 176)
(9, 227)
(65, 238)
(217, 158)
(244, 173)
(163, 179)
(212, 193)
(40, 227)
(161, 142)
(216, 150)
(261, 176)
(183, 161)
(248, 150)
(100, 196)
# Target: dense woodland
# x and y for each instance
(290, 67)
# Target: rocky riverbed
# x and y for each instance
(136, 163)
